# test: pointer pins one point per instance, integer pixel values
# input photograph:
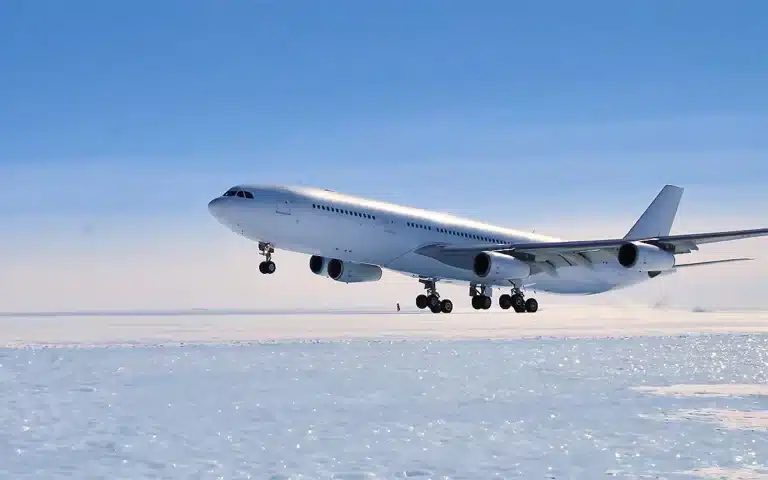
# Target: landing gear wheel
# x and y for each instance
(477, 302)
(436, 309)
(518, 302)
(267, 268)
(433, 301)
(531, 305)
(421, 302)
(505, 301)
(481, 302)
(446, 306)
(487, 302)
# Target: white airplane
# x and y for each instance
(350, 239)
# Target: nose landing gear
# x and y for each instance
(267, 267)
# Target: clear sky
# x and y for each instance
(120, 120)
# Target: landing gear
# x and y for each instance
(267, 267)
(481, 299)
(481, 302)
(432, 299)
(518, 302)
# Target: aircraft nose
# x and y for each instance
(216, 207)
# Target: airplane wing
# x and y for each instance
(674, 243)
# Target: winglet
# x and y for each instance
(657, 219)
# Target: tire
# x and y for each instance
(421, 302)
(505, 301)
(518, 301)
(476, 302)
(487, 302)
(433, 301)
(531, 305)
(446, 306)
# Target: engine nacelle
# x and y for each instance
(644, 257)
(318, 265)
(353, 272)
(499, 266)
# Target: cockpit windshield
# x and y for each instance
(234, 192)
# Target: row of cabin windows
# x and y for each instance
(448, 231)
(238, 193)
(343, 211)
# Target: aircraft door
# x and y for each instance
(284, 207)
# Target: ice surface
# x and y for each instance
(217, 327)
(383, 409)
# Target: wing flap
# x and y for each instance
(713, 262)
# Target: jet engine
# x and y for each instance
(318, 265)
(499, 266)
(644, 257)
(348, 272)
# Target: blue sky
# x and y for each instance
(117, 115)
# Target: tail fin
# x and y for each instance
(657, 219)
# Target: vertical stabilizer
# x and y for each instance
(657, 219)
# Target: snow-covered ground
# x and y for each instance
(425, 396)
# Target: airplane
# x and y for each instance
(350, 239)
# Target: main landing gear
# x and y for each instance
(518, 302)
(481, 299)
(432, 299)
(267, 267)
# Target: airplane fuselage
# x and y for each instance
(333, 225)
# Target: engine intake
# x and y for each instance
(499, 266)
(644, 257)
(318, 265)
(348, 272)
